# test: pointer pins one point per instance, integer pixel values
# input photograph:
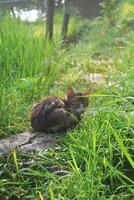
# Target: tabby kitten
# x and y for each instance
(54, 114)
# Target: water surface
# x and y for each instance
(31, 10)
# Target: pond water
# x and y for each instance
(28, 15)
(31, 10)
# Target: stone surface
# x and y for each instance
(28, 141)
(130, 21)
(94, 78)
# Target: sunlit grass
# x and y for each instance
(99, 154)
(29, 66)
(127, 9)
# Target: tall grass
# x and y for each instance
(29, 64)
(97, 156)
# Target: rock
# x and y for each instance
(28, 141)
(130, 21)
(94, 78)
(120, 41)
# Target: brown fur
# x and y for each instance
(53, 114)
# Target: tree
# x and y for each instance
(65, 19)
(49, 19)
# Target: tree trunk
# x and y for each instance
(49, 19)
(65, 20)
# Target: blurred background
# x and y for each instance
(31, 10)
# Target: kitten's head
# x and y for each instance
(78, 101)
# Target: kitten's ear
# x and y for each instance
(70, 93)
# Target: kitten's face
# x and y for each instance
(77, 101)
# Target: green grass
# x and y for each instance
(98, 155)
(29, 66)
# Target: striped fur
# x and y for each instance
(53, 114)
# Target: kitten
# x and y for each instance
(54, 114)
